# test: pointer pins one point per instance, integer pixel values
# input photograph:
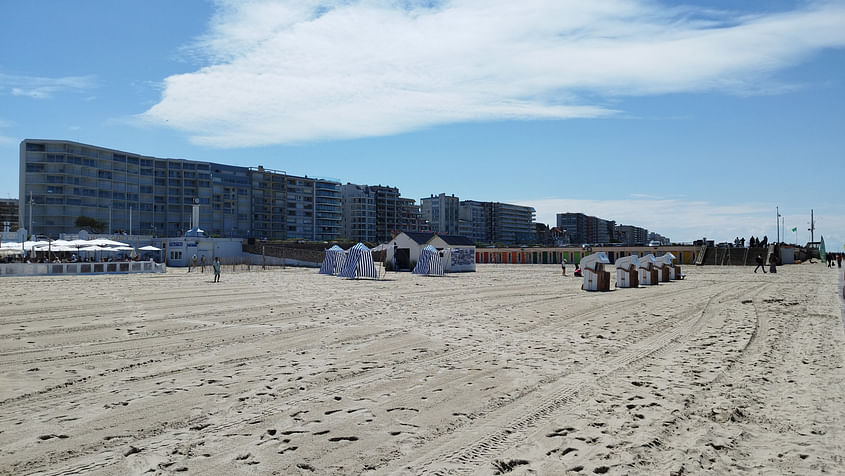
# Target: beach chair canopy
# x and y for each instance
(627, 262)
(668, 258)
(429, 262)
(646, 261)
(590, 261)
(333, 260)
(359, 263)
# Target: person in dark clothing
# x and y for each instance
(765, 241)
(760, 264)
(838, 260)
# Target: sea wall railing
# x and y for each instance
(118, 267)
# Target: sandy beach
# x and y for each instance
(512, 369)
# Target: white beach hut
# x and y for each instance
(626, 272)
(333, 260)
(459, 252)
(430, 262)
(647, 271)
(595, 277)
(405, 248)
(359, 263)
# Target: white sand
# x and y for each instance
(510, 369)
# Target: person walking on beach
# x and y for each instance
(760, 264)
(216, 266)
(563, 266)
(202, 264)
(838, 260)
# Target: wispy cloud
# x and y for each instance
(4, 139)
(38, 87)
(293, 71)
(688, 220)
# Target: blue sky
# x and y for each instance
(690, 119)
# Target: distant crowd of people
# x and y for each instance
(753, 242)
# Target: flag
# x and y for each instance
(822, 254)
(795, 229)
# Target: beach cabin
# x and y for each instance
(595, 277)
(359, 263)
(333, 261)
(406, 248)
(626, 272)
(458, 252)
(430, 262)
(647, 272)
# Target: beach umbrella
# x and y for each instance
(29, 245)
(92, 248)
(106, 242)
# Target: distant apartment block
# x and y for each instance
(474, 222)
(359, 212)
(494, 222)
(659, 238)
(512, 224)
(411, 218)
(630, 235)
(9, 213)
(574, 225)
(377, 213)
(442, 213)
(150, 195)
(584, 229)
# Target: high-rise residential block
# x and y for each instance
(63, 180)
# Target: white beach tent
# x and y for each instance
(429, 262)
(333, 260)
(359, 263)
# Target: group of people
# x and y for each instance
(577, 268)
(761, 263)
(831, 257)
(214, 265)
(752, 242)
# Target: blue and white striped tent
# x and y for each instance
(359, 263)
(333, 260)
(429, 262)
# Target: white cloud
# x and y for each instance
(685, 221)
(297, 71)
(43, 88)
(4, 139)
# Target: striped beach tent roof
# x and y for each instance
(359, 263)
(429, 262)
(332, 259)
